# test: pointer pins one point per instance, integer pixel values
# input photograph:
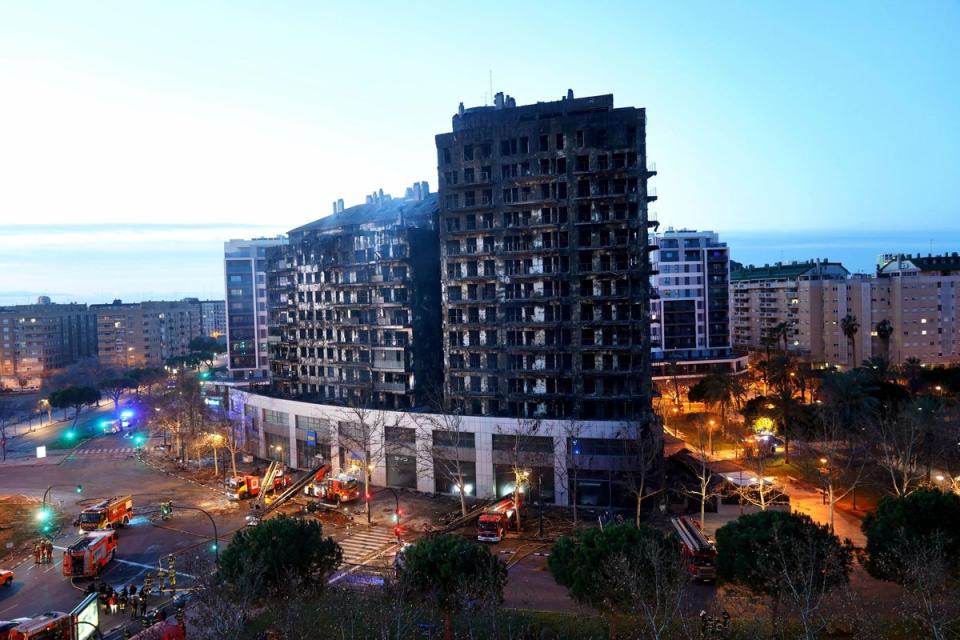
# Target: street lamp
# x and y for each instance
(216, 536)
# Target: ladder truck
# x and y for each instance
(700, 557)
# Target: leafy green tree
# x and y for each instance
(849, 398)
(721, 389)
(744, 546)
(449, 572)
(902, 522)
(788, 557)
(621, 568)
(116, 386)
(285, 552)
(148, 377)
(75, 397)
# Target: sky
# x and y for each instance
(136, 137)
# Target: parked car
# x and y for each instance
(6, 577)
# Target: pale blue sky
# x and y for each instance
(777, 116)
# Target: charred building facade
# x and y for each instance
(545, 259)
(356, 298)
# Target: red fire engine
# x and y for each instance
(699, 554)
(340, 488)
(80, 624)
(87, 556)
(111, 513)
(242, 487)
(494, 522)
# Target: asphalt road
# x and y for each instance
(106, 466)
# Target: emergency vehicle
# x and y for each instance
(87, 556)
(48, 626)
(111, 513)
(242, 487)
(341, 488)
(700, 557)
(494, 522)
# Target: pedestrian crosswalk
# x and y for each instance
(116, 452)
(363, 543)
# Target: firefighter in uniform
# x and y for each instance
(161, 577)
(180, 620)
(173, 574)
(148, 584)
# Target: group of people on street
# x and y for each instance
(43, 551)
(113, 602)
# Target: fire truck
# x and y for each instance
(111, 513)
(87, 556)
(340, 488)
(699, 555)
(81, 623)
(242, 487)
(494, 522)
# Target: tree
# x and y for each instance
(848, 396)
(148, 377)
(932, 586)
(839, 467)
(884, 331)
(205, 350)
(525, 457)
(448, 443)
(904, 522)
(721, 389)
(706, 488)
(621, 567)
(899, 441)
(644, 456)
(8, 411)
(75, 397)
(116, 386)
(449, 572)
(364, 437)
(283, 551)
(849, 326)
(787, 557)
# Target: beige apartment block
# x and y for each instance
(916, 295)
(763, 297)
(145, 334)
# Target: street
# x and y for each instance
(107, 466)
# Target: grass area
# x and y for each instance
(70, 438)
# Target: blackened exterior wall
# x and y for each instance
(544, 254)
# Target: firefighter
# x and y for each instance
(180, 617)
(148, 583)
(161, 576)
(134, 606)
(36, 553)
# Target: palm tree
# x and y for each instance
(721, 389)
(849, 396)
(884, 330)
(850, 326)
(911, 371)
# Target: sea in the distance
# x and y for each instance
(97, 263)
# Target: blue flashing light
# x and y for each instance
(126, 413)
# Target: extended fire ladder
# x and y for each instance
(294, 489)
(266, 484)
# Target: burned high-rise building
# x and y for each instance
(545, 266)
(362, 325)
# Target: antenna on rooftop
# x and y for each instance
(490, 72)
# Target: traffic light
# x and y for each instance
(213, 547)
(138, 439)
(398, 531)
(43, 515)
(70, 435)
(79, 488)
(397, 515)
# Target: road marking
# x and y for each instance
(148, 566)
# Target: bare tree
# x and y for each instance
(447, 439)
(8, 411)
(221, 609)
(655, 579)
(365, 436)
(899, 442)
(645, 453)
(933, 590)
(759, 491)
(706, 488)
(524, 453)
(840, 469)
(572, 432)
(801, 572)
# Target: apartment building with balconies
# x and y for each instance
(544, 257)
